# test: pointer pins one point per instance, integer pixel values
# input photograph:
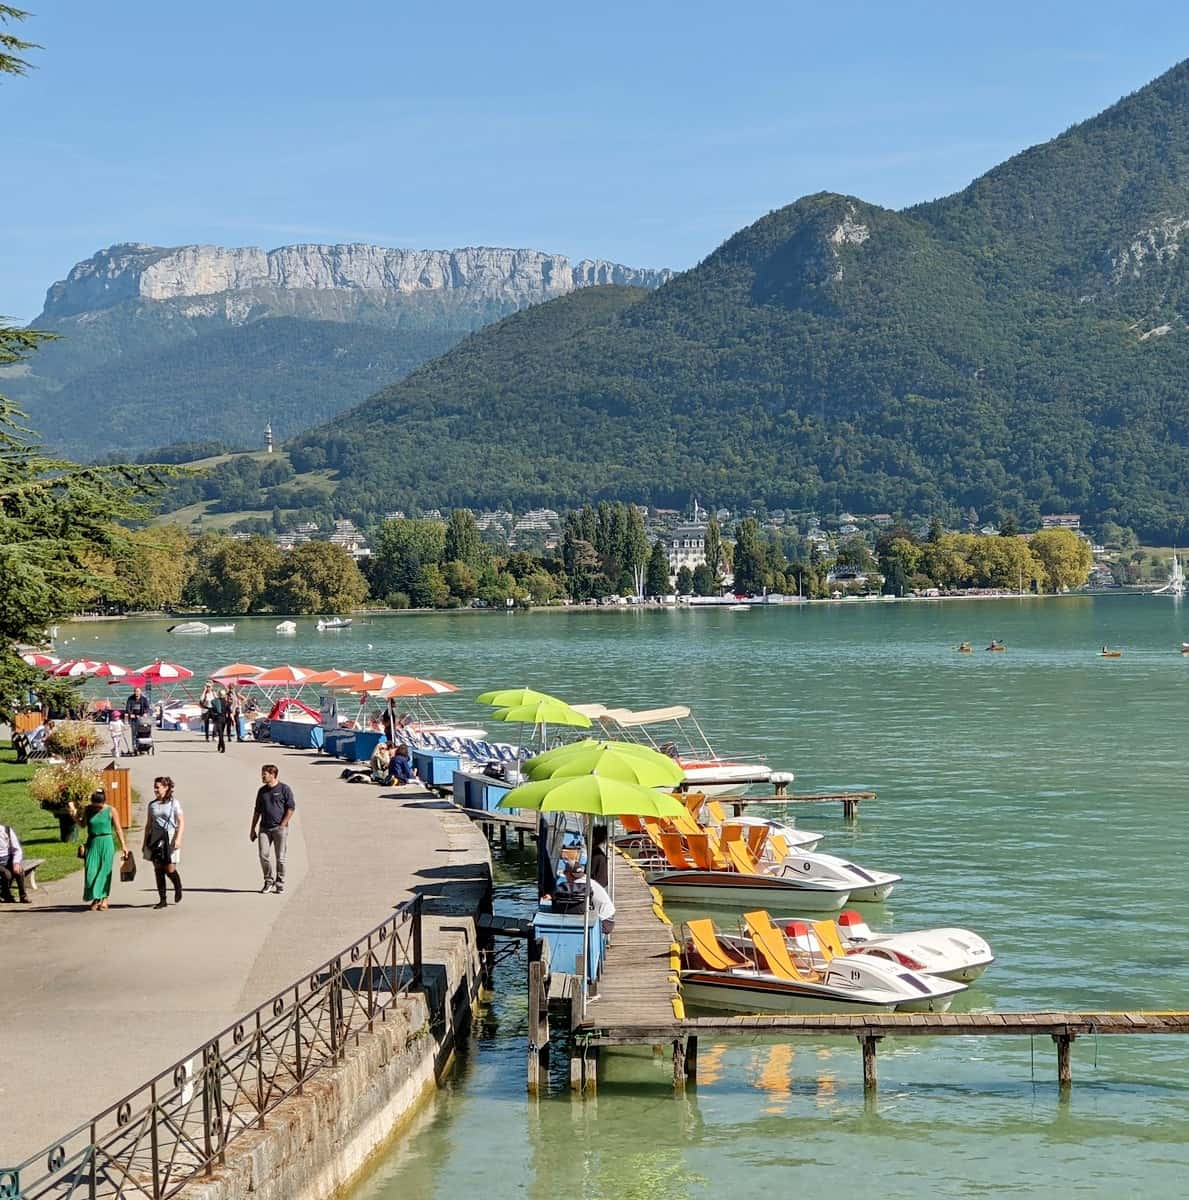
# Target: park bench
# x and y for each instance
(30, 866)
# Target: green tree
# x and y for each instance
(749, 558)
(461, 580)
(429, 589)
(635, 549)
(463, 542)
(1009, 527)
(1066, 559)
(11, 47)
(159, 567)
(317, 577)
(714, 554)
(657, 583)
(402, 546)
(702, 581)
(685, 581)
(542, 587)
(233, 576)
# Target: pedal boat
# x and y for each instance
(946, 953)
(757, 973)
(794, 837)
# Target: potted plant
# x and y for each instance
(73, 741)
(64, 790)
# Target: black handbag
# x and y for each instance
(128, 868)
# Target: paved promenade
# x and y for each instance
(93, 1004)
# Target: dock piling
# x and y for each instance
(869, 1042)
(691, 1059)
(1064, 1065)
(678, 1064)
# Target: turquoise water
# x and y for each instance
(1036, 796)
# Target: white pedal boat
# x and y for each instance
(795, 838)
(866, 884)
(756, 973)
(947, 953)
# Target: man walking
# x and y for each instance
(137, 709)
(217, 708)
(270, 826)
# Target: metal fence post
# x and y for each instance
(371, 996)
(156, 1150)
(334, 996)
(297, 1039)
(259, 1070)
(418, 904)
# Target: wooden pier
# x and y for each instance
(849, 800)
(499, 824)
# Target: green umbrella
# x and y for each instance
(542, 712)
(607, 760)
(513, 697)
(595, 795)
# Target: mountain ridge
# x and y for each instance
(983, 350)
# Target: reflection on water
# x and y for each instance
(1035, 796)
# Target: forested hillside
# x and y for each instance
(1019, 347)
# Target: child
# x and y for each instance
(118, 731)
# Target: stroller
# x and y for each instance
(142, 737)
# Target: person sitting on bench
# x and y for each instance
(12, 858)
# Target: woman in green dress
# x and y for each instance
(103, 828)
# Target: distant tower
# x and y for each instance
(268, 437)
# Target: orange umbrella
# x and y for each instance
(331, 677)
(410, 685)
(357, 681)
(236, 670)
(283, 676)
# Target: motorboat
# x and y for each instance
(1107, 652)
(948, 953)
(757, 973)
(287, 627)
(965, 648)
(190, 628)
(1185, 647)
(738, 608)
(222, 628)
(325, 623)
(706, 771)
(997, 646)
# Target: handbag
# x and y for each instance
(128, 868)
(82, 849)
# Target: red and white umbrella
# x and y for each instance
(111, 670)
(75, 668)
(364, 681)
(164, 672)
(42, 661)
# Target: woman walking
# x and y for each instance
(164, 825)
(204, 702)
(103, 829)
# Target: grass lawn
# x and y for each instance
(37, 829)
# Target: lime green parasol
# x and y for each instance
(594, 795)
(513, 697)
(624, 761)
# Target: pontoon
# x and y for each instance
(190, 627)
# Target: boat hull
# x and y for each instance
(726, 889)
(707, 989)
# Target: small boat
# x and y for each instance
(996, 645)
(190, 628)
(866, 884)
(798, 839)
(947, 953)
(757, 973)
(1107, 652)
(222, 628)
(1185, 647)
(966, 648)
(325, 623)
(738, 608)
(287, 627)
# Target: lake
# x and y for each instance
(1035, 796)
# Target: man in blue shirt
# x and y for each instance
(270, 826)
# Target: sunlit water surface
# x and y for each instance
(1036, 796)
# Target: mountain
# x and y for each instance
(1018, 347)
(215, 342)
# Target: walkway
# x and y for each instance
(95, 1003)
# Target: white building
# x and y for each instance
(685, 546)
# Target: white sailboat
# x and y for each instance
(1176, 580)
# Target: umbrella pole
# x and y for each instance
(586, 926)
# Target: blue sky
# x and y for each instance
(640, 132)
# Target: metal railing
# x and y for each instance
(182, 1123)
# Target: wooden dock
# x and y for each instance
(498, 824)
(849, 800)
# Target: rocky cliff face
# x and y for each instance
(515, 278)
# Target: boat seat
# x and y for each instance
(773, 950)
(826, 933)
(757, 835)
(740, 859)
(710, 949)
(631, 824)
(730, 832)
(718, 814)
(693, 802)
(704, 853)
(674, 851)
(684, 823)
(779, 844)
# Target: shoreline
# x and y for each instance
(361, 616)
